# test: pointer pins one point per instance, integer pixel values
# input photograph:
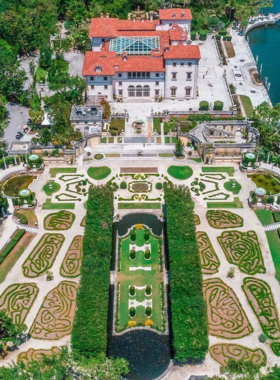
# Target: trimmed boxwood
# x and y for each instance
(218, 105)
(148, 290)
(132, 236)
(148, 311)
(147, 254)
(203, 105)
(89, 334)
(132, 290)
(202, 35)
(147, 235)
(158, 185)
(188, 309)
(123, 185)
(132, 312)
(132, 254)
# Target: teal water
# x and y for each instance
(265, 43)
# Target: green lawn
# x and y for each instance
(139, 278)
(180, 172)
(50, 190)
(165, 154)
(199, 160)
(267, 181)
(247, 104)
(235, 204)
(99, 173)
(157, 125)
(48, 205)
(15, 184)
(217, 169)
(235, 190)
(55, 171)
(138, 205)
(117, 126)
(265, 217)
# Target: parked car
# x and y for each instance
(19, 135)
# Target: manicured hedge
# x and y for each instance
(218, 105)
(89, 335)
(203, 106)
(188, 309)
(6, 250)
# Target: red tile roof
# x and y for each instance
(175, 14)
(110, 63)
(112, 27)
(183, 52)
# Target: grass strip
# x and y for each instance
(235, 204)
(48, 205)
(218, 169)
(139, 206)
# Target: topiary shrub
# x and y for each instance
(147, 254)
(270, 199)
(218, 105)
(132, 254)
(202, 35)
(148, 311)
(123, 185)
(132, 291)
(193, 35)
(203, 105)
(159, 186)
(147, 235)
(22, 218)
(132, 236)
(132, 312)
(262, 338)
(148, 290)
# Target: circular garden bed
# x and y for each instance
(180, 172)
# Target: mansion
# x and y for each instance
(143, 58)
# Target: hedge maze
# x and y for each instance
(243, 249)
(72, 261)
(36, 355)
(261, 300)
(59, 221)
(196, 219)
(55, 317)
(222, 353)
(275, 346)
(209, 260)
(226, 318)
(17, 299)
(43, 255)
(223, 219)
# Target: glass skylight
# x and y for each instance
(134, 45)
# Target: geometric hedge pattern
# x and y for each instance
(261, 300)
(209, 260)
(226, 318)
(73, 259)
(17, 299)
(61, 220)
(223, 352)
(43, 255)
(223, 219)
(36, 355)
(55, 317)
(243, 249)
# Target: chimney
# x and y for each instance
(101, 15)
(142, 18)
(166, 49)
(174, 15)
(107, 15)
(151, 15)
(134, 18)
(183, 14)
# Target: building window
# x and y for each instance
(173, 91)
(174, 76)
(189, 76)
(157, 75)
(98, 69)
(120, 92)
(120, 83)
(189, 64)
(139, 91)
(174, 64)
(91, 78)
(188, 91)
(131, 91)
(92, 87)
(120, 75)
(182, 63)
(157, 83)
(105, 87)
(103, 39)
(105, 78)
(146, 91)
(156, 92)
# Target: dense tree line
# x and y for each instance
(188, 309)
(89, 335)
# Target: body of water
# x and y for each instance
(265, 43)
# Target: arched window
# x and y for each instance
(173, 91)
(188, 91)
(131, 91)
(139, 91)
(146, 91)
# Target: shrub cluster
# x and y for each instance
(89, 335)
(203, 106)
(189, 318)
(22, 218)
(218, 105)
(12, 243)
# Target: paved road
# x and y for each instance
(18, 116)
